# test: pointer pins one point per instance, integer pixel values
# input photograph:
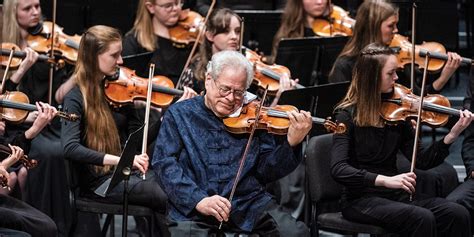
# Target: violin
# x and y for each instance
(65, 46)
(438, 56)
(187, 29)
(15, 106)
(128, 87)
(338, 23)
(18, 55)
(403, 104)
(267, 75)
(273, 119)
(5, 151)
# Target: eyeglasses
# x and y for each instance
(225, 91)
(169, 6)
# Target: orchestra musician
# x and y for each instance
(46, 187)
(375, 192)
(464, 193)
(93, 143)
(377, 23)
(151, 33)
(199, 161)
(297, 19)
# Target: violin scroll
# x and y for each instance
(334, 127)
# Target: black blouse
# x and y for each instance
(362, 153)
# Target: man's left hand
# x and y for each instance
(300, 125)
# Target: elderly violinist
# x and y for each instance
(199, 160)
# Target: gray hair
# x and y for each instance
(229, 58)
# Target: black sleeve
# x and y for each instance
(131, 45)
(342, 70)
(71, 132)
(467, 151)
(341, 168)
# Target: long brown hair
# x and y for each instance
(101, 132)
(143, 27)
(370, 16)
(293, 21)
(219, 22)
(364, 92)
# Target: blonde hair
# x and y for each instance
(11, 29)
(364, 93)
(143, 27)
(101, 132)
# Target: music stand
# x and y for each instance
(310, 59)
(138, 62)
(259, 25)
(122, 172)
(318, 100)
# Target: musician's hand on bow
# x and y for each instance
(141, 162)
(216, 206)
(405, 181)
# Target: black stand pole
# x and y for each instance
(126, 171)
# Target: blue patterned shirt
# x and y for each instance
(195, 157)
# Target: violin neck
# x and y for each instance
(440, 109)
(167, 90)
(276, 76)
(430, 107)
(442, 56)
(72, 44)
(282, 114)
(17, 105)
(21, 54)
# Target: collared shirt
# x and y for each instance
(195, 157)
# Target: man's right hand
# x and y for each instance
(215, 206)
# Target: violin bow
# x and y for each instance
(51, 55)
(413, 30)
(4, 79)
(418, 119)
(147, 111)
(247, 148)
(193, 50)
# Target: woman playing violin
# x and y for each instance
(93, 143)
(298, 17)
(223, 31)
(151, 33)
(377, 23)
(375, 192)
